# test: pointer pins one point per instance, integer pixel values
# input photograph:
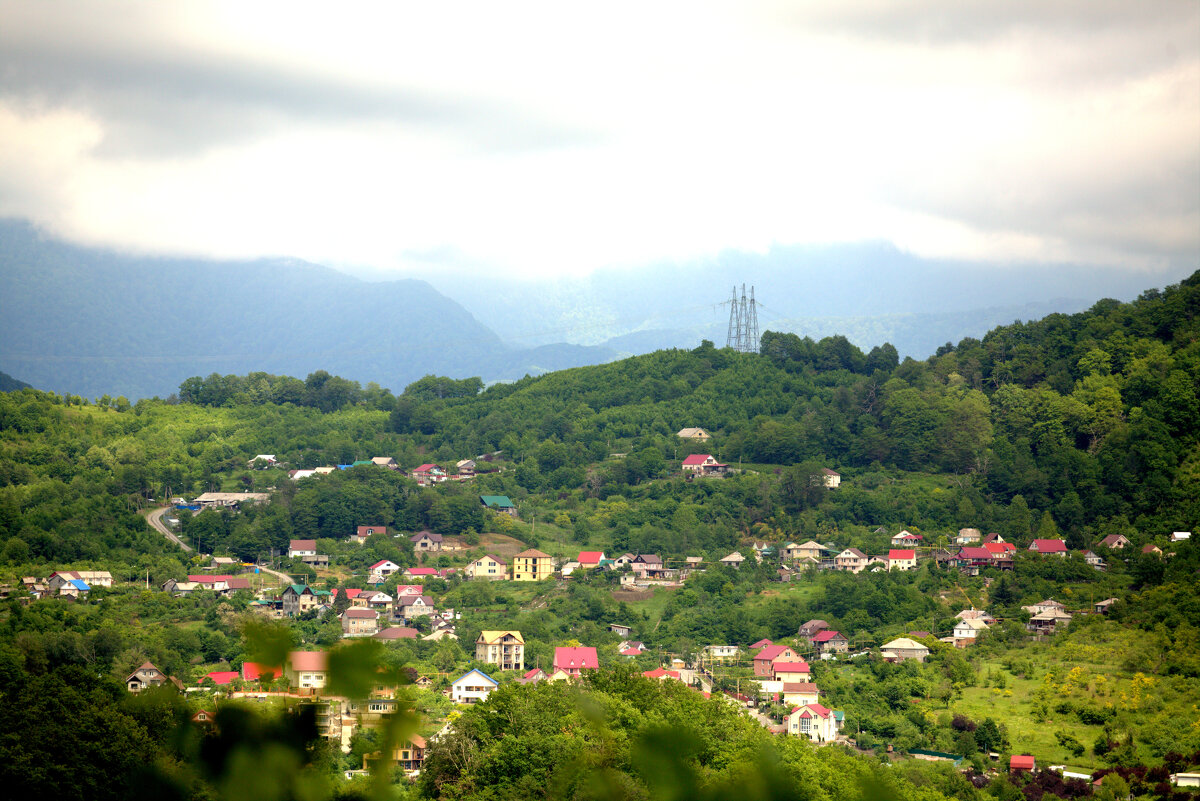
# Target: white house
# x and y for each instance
(378, 572)
(472, 687)
(814, 722)
(832, 480)
(901, 559)
(302, 548)
(969, 628)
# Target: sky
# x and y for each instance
(557, 139)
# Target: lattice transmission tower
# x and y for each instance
(743, 322)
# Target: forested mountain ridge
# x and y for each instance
(91, 322)
(1081, 426)
(1087, 422)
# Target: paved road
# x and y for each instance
(155, 519)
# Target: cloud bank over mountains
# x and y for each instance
(541, 139)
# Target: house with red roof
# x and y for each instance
(703, 464)
(830, 642)
(421, 572)
(1056, 547)
(574, 659)
(791, 671)
(813, 721)
(590, 559)
(307, 671)
(901, 559)
(906, 539)
(219, 678)
(1019, 763)
(396, 633)
(763, 643)
(971, 558)
(379, 572)
(661, 674)
(252, 671)
(765, 658)
(428, 474)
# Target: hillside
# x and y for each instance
(92, 322)
(1077, 427)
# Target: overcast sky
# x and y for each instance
(563, 137)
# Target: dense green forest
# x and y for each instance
(1076, 426)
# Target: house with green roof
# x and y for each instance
(298, 599)
(499, 503)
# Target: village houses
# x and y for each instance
(489, 567)
(472, 687)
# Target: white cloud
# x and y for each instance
(544, 138)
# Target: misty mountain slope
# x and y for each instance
(871, 292)
(93, 322)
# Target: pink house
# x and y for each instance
(572, 660)
(765, 658)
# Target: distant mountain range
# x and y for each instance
(10, 384)
(93, 322)
(871, 292)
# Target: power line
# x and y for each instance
(742, 334)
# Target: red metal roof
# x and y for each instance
(697, 458)
(791, 667)
(826, 636)
(1021, 762)
(582, 656)
(309, 660)
(252, 671)
(1048, 546)
(590, 557)
(896, 553)
(221, 677)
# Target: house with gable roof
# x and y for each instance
(532, 565)
(832, 479)
(307, 671)
(850, 560)
(1114, 542)
(1055, 547)
(489, 567)
(906, 539)
(426, 541)
(572, 660)
(765, 659)
(698, 434)
(428, 474)
(146, 676)
(499, 503)
(590, 559)
(472, 687)
(901, 559)
(830, 642)
(378, 573)
(703, 464)
(733, 560)
(813, 721)
(358, 622)
(504, 649)
(298, 599)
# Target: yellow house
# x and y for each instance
(505, 649)
(487, 567)
(532, 565)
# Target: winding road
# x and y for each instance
(155, 519)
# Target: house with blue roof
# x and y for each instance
(74, 588)
(472, 687)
